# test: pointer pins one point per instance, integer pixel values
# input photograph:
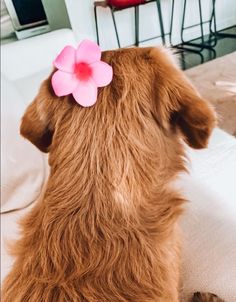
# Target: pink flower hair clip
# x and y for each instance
(80, 72)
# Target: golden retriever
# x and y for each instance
(107, 227)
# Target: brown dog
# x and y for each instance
(107, 227)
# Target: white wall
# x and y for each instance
(82, 20)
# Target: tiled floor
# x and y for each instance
(223, 47)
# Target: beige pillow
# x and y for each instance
(23, 166)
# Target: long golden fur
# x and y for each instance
(107, 226)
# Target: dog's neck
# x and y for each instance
(110, 175)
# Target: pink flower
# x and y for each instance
(80, 72)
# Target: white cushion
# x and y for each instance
(209, 223)
(23, 167)
(26, 57)
(29, 86)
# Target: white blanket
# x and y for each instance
(209, 223)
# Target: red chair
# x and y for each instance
(118, 5)
(124, 3)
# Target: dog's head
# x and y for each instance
(147, 88)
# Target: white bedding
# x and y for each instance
(209, 223)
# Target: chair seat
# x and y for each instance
(124, 3)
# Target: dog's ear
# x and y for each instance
(194, 116)
(179, 106)
(38, 123)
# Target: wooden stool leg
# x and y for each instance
(114, 22)
(136, 16)
(161, 21)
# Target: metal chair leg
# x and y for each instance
(213, 18)
(161, 21)
(183, 21)
(201, 24)
(171, 22)
(96, 23)
(136, 16)
(217, 33)
(114, 22)
(203, 44)
(212, 33)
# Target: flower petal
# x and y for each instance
(101, 73)
(63, 83)
(88, 52)
(86, 93)
(65, 61)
